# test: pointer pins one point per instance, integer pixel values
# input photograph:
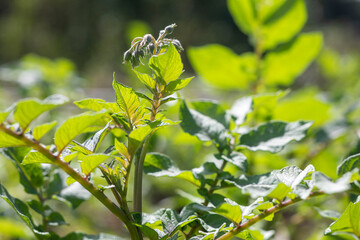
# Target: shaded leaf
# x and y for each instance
(349, 164)
(273, 136)
(23, 211)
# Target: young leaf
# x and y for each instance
(349, 164)
(96, 104)
(122, 149)
(167, 66)
(222, 68)
(287, 62)
(273, 136)
(243, 14)
(90, 162)
(127, 99)
(9, 141)
(35, 157)
(41, 130)
(231, 210)
(22, 210)
(29, 109)
(176, 85)
(146, 80)
(201, 126)
(75, 126)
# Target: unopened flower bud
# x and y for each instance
(169, 29)
(151, 48)
(177, 45)
(127, 56)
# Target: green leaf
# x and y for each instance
(90, 162)
(167, 66)
(282, 24)
(83, 236)
(31, 176)
(157, 164)
(349, 221)
(41, 130)
(122, 149)
(231, 210)
(148, 81)
(29, 109)
(273, 136)
(349, 164)
(9, 141)
(3, 115)
(269, 23)
(201, 126)
(280, 192)
(213, 110)
(237, 159)
(222, 68)
(265, 184)
(244, 14)
(127, 99)
(75, 126)
(240, 109)
(328, 214)
(35, 157)
(177, 85)
(96, 104)
(287, 62)
(23, 211)
(297, 107)
(55, 219)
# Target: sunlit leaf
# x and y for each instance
(222, 68)
(96, 104)
(167, 65)
(90, 162)
(240, 109)
(41, 130)
(231, 210)
(9, 141)
(28, 110)
(75, 126)
(349, 164)
(35, 157)
(287, 62)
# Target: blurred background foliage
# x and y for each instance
(73, 47)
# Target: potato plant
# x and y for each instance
(65, 169)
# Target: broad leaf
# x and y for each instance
(167, 66)
(41, 130)
(157, 164)
(177, 85)
(222, 68)
(213, 110)
(349, 164)
(201, 126)
(349, 221)
(90, 162)
(28, 110)
(273, 136)
(23, 211)
(325, 184)
(297, 107)
(35, 157)
(244, 14)
(9, 141)
(96, 104)
(287, 62)
(231, 210)
(3, 115)
(75, 126)
(148, 81)
(240, 109)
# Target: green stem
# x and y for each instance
(138, 177)
(264, 214)
(75, 175)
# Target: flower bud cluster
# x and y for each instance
(149, 46)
